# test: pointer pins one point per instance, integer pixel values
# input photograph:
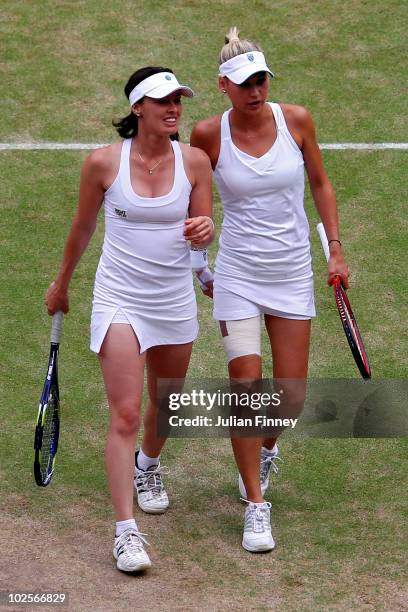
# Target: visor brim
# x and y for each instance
(242, 74)
(164, 90)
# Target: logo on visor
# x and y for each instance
(250, 57)
(168, 77)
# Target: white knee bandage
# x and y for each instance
(241, 337)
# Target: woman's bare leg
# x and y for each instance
(247, 451)
(290, 340)
(163, 362)
(122, 369)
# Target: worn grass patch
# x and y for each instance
(338, 522)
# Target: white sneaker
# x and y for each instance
(129, 552)
(151, 496)
(268, 463)
(257, 528)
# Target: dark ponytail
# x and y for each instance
(127, 126)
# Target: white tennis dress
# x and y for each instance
(144, 273)
(264, 262)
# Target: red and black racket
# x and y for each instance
(347, 317)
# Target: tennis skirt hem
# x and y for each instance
(231, 306)
(149, 333)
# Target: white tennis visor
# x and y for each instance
(158, 86)
(239, 68)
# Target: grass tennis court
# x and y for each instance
(340, 507)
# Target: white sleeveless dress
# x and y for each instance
(263, 263)
(144, 272)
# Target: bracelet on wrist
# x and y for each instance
(335, 240)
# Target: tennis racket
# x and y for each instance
(48, 422)
(347, 317)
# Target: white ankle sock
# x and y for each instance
(269, 451)
(144, 462)
(121, 526)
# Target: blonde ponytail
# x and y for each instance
(235, 46)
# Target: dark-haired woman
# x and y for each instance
(157, 196)
(259, 151)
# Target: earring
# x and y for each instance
(224, 91)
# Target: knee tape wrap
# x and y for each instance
(242, 337)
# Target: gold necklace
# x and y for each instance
(150, 170)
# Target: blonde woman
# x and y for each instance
(259, 151)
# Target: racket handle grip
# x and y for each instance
(56, 327)
(323, 238)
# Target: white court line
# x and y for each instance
(50, 146)
(79, 146)
(368, 146)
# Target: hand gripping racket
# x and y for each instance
(347, 317)
(47, 429)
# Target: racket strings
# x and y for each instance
(351, 329)
(347, 317)
(50, 431)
